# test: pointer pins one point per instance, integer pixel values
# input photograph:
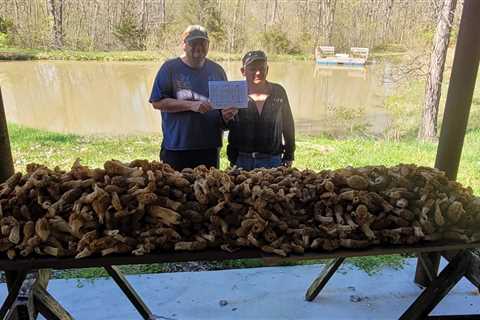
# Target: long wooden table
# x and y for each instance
(462, 262)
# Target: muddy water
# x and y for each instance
(112, 97)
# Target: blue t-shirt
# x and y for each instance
(188, 130)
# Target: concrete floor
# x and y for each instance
(259, 293)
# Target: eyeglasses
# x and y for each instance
(256, 68)
(197, 42)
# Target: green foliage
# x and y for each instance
(207, 14)
(3, 40)
(161, 55)
(130, 35)
(306, 42)
(276, 41)
(6, 27)
(425, 36)
(405, 106)
(374, 264)
(214, 25)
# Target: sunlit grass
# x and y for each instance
(160, 55)
(313, 152)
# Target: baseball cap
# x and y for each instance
(251, 56)
(194, 32)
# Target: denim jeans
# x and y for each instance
(248, 163)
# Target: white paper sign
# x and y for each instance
(224, 94)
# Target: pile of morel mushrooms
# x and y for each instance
(142, 207)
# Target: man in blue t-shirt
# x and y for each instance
(192, 130)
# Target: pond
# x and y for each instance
(112, 97)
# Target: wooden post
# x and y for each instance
(6, 170)
(457, 106)
(6, 162)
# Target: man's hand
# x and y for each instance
(200, 106)
(229, 113)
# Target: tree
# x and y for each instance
(428, 129)
(325, 20)
(129, 33)
(56, 10)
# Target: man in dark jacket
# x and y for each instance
(263, 135)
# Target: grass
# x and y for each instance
(406, 105)
(38, 54)
(160, 55)
(313, 152)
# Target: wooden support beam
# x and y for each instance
(439, 288)
(13, 290)
(460, 90)
(322, 280)
(24, 306)
(33, 298)
(427, 268)
(459, 98)
(48, 306)
(473, 271)
(131, 294)
(6, 161)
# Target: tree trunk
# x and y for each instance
(332, 4)
(266, 17)
(274, 13)
(325, 20)
(144, 21)
(428, 129)
(164, 14)
(233, 38)
(386, 25)
(318, 25)
(57, 14)
(93, 35)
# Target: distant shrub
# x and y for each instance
(276, 41)
(6, 27)
(130, 35)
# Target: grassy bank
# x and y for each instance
(313, 152)
(407, 102)
(36, 54)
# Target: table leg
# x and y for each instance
(14, 283)
(50, 308)
(327, 272)
(128, 290)
(438, 288)
(427, 268)
(473, 271)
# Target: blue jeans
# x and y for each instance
(246, 162)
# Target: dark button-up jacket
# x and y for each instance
(271, 132)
